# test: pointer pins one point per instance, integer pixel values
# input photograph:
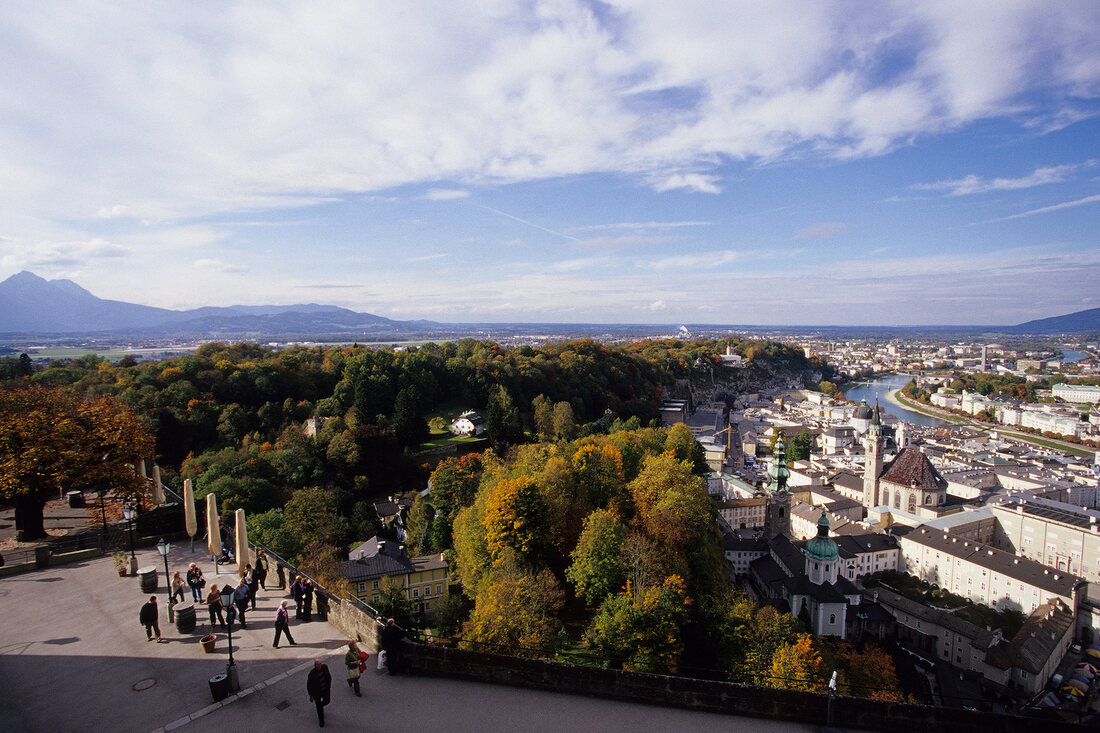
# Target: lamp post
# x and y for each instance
(227, 606)
(128, 512)
(163, 547)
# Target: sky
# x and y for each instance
(779, 163)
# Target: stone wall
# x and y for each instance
(706, 695)
(355, 623)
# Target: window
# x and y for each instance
(416, 592)
(427, 591)
(362, 587)
(374, 585)
(375, 599)
(832, 618)
(439, 589)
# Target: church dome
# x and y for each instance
(822, 547)
(863, 412)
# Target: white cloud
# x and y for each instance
(445, 194)
(257, 105)
(1055, 207)
(658, 305)
(696, 182)
(972, 183)
(219, 266)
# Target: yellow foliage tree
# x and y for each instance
(516, 517)
(797, 666)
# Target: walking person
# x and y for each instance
(177, 587)
(149, 616)
(260, 572)
(318, 685)
(307, 600)
(240, 600)
(214, 604)
(298, 591)
(282, 625)
(351, 661)
(250, 579)
(390, 637)
(195, 581)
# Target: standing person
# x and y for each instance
(297, 590)
(240, 600)
(260, 573)
(214, 604)
(318, 685)
(280, 572)
(322, 606)
(351, 661)
(307, 600)
(282, 625)
(391, 636)
(250, 579)
(149, 616)
(195, 581)
(177, 587)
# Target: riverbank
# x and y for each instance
(1076, 450)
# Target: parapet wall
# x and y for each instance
(706, 695)
(355, 623)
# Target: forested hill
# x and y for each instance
(221, 395)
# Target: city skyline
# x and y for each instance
(801, 164)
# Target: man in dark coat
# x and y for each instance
(318, 685)
(390, 637)
(296, 590)
(307, 600)
(149, 618)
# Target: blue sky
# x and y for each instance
(795, 163)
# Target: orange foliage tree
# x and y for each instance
(51, 438)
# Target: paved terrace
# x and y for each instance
(73, 657)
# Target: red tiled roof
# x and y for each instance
(913, 466)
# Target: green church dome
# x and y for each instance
(823, 547)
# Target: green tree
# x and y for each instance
(269, 529)
(565, 425)
(801, 446)
(310, 514)
(597, 568)
(642, 631)
(543, 410)
(502, 423)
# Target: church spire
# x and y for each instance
(778, 471)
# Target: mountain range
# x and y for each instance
(31, 305)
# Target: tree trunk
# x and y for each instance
(29, 520)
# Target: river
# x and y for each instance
(881, 389)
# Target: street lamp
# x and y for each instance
(128, 512)
(163, 547)
(227, 605)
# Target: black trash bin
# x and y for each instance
(76, 499)
(219, 686)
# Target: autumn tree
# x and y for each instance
(517, 610)
(310, 515)
(599, 472)
(797, 666)
(516, 518)
(50, 439)
(642, 631)
(597, 568)
(502, 423)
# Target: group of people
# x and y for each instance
(304, 593)
(319, 680)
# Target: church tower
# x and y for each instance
(777, 509)
(872, 463)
